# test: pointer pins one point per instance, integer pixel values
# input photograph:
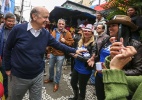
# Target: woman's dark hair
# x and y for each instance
(126, 34)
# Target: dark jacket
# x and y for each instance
(137, 20)
(134, 67)
(76, 38)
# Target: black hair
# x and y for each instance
(103, 26)
(126, 34)
(9, 15)
(134, 7)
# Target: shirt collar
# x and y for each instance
(101, 34)
(6, 28)
(30, 27)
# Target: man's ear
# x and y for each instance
(34, 16)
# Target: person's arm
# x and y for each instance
(8, 48)
(67, 39)
(60, 46)
(136, 64)
(115, 84)
(139, 23)
(134, 67)
(114, 79)
(94, 52)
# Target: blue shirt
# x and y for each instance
(104, 53)
(81, 68)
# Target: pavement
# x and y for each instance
(65, 90)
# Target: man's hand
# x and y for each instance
(80, 51)
(8, 73)
(63, 40)
(74, 55)
(120, 60)
(48, 56)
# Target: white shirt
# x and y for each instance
(33, 31)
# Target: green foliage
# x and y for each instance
(122, 6)
(115, 12)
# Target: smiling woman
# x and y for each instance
(81, 72)
(133, 68)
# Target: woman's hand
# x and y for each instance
(121, 59)
(116, 47)
(91, 61)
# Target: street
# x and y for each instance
(65, 90)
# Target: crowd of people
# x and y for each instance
(114, 43)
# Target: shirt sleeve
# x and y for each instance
(115, 85)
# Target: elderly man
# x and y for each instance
(57, 56)
(24, 52)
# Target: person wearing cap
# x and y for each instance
(81, 72)
(119, 26)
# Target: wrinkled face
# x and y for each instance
(99, 29)
(113, 30)
(61, 24)
(42, 18)
(87, 34)
(131, 12)
(10, 22)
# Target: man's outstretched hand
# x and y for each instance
(80, 51)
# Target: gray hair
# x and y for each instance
(61, 19)
(9, 15)
(34, 11)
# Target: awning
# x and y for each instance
(61, 12)
(100, 7)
